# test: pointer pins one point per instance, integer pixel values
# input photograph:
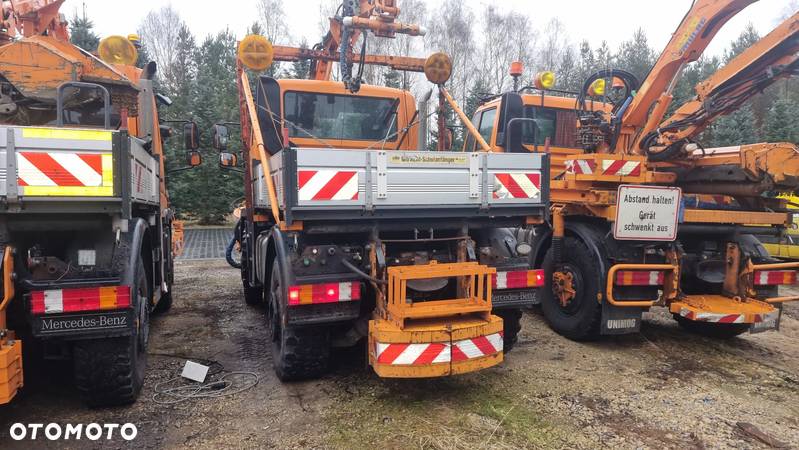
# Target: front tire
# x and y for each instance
(111, 371)
(579, 318)
(298, 353)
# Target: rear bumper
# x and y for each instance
(435, 348)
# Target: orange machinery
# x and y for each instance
(85, 219)
(629, 229)
(351, 232)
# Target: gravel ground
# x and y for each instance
(659, 389)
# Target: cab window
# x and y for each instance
(345, 117)
(486, 127)
(547, 122)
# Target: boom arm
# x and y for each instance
(694, 34)
(774, 57)
(377, 16)
(32, 17)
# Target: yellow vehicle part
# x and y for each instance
(10, 348)
(436, 338)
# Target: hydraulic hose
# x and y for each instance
(361, 273)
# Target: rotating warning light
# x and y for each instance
(516, 69)
(545, 80)
(598, 88)
(117, 50)
(438, 68)
(255, 52)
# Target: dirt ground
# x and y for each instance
(660, 389)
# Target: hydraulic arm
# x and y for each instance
(774, 57)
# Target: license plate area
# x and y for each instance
(118, 322)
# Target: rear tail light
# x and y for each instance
(80, 299)
(518, 279)
(775, 277)
(312, 294)
(639, 278)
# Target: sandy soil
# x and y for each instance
(662, 388)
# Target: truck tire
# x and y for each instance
(111, 371)
(253, 296)
(298, 353)
(512, 324)
(580, 319)
(712, 330)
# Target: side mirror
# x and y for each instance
(191, 136)
(194, 158)
(221, 136)
(228, 160)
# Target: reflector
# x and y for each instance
(255, 52)
(438, 68)
(545, 80)
(117, 50)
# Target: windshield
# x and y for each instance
(546, 120)
(345, 117)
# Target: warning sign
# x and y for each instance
(647, 213)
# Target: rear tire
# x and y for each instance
(512, 324)
(298, 353)
(580, 319)
(111, 371)
(712, 330)
(253, 296)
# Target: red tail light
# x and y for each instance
(518, 279)
(80, 299)
(775, 277)
(639, 278)
(311, 294)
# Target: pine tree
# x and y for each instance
(781, 121)
(82, 33)
(301, 69)
(636, 56)
(737, 128)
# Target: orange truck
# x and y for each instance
(353, 232)
(86, 230)
(643, 215)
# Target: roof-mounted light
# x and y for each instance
(255, 52)
(117, 50)
(544, 80)
(438, 68)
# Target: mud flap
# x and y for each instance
(620, 320)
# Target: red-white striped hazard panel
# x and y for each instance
(608, 167)
(327, 185)
(640, 278)
(726, 318)
(311, 294)
(65, 174)
(439, 352)
(55, 301)
(518, 279)
(517, 185)
(775, 277)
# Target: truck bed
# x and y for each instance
(74, 170)
(336, 184)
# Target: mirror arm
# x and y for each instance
(180, 169)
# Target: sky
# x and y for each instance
(613, 20)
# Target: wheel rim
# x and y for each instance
(567, 284)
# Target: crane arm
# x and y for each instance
(31, 18)
(377, 16)
(689, 41)
(772, 58)
(292, 54)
